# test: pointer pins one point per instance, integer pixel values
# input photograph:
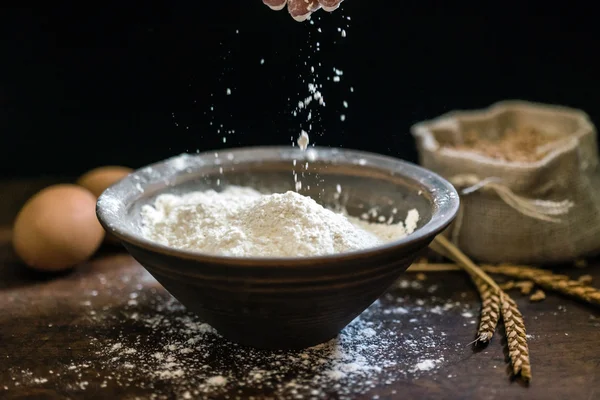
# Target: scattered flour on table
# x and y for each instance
(158, 350)
(240, 221)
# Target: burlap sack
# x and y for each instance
(544, 211)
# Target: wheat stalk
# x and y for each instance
(514, 324)
(433, 267)
(578, 289)
(516, 337)
(550, 281)
(490, 311)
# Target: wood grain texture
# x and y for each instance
(45, 324)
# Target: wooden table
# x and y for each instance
(108, 330)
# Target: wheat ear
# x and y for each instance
(513, 319)
(516, 337)
(550, 281)
(490, 311)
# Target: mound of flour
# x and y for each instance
(242, 222)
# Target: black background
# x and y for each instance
(86, 85)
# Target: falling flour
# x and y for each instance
(303, 141)
(242, 222)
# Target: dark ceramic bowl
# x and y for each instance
(282, 303)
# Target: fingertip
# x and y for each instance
(301, 10)
(276, 5)
(301, 18)
(330, 5)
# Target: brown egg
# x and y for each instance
(99, 179)
(57, 228)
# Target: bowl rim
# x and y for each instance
(439, 188)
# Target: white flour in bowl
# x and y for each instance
(242, 222)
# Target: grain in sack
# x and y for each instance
(528, 177)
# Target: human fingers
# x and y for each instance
(300, 10)
(330, 5)
(275, 4)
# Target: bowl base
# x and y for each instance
(272, 342)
